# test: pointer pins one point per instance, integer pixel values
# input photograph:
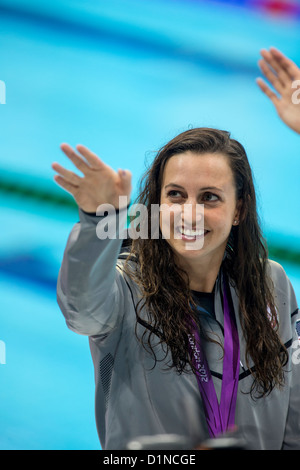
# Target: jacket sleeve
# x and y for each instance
(90, 288)
(288, 311)
(292, 429)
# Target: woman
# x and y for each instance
(191, 331)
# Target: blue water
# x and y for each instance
(121, 77)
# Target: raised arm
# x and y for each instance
(284, 75)
(89, 288)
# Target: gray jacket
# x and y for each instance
(134, 399)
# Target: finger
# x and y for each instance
(65, 184)
(125, 180)
(125, 176)
(67, 174)
(291, 68)
(76, 159)
(124, 184)
(273, 79)
(277, 66)
(91, 157)
(267, 91)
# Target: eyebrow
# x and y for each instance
(208, 188)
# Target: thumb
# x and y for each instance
(125, 176)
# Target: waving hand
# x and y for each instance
(99, 183)
(284, 75)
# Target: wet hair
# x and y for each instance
(166, 295)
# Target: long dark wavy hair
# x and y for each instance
(166, 295)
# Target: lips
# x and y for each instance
(188, 234)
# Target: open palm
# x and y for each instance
(99, 183)
(284, 75)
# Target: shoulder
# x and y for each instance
(278, 275)
(283, 289)
(125, 252)
(276, 271)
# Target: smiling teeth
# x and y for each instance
(191, 233)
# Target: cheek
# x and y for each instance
(219, 222)
(170, 215)
(166, 223)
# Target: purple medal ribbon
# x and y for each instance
(219, 417)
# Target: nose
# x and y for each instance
(193, 215)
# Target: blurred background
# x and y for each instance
(121, 77)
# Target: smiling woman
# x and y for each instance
(163, 310)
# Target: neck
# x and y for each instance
(202, 276)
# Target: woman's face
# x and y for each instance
(203, 190)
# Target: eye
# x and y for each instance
(210, 197)
(174, 193)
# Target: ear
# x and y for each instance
(237, 214)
